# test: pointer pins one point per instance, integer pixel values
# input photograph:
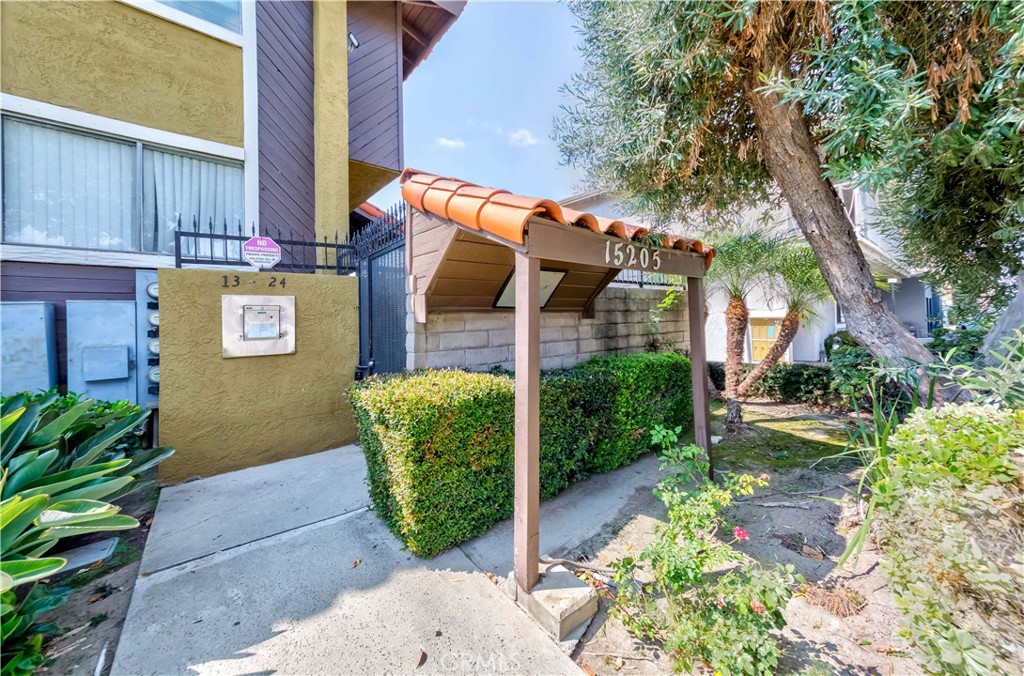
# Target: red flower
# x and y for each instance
(721, 602)
(756, 606)
(740, 533)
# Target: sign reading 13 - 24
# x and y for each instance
(629, 255)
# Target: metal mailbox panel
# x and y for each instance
(257, 326)
(94, 327)
(106, 363)
(28, 347)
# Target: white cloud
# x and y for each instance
(522, 138)
(453, 143)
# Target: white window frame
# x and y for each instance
(108, 126)
(74, 120)
(188, 21)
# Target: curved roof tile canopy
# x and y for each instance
(504, 214)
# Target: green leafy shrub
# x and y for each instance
(952, 527)
(722, 621)
(647, 389)
(999, 381)
(62, 460)
(439, 445)
(851, 371)
(845, 340)
(788, 382)
(965, 344)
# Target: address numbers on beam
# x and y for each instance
(631, 256)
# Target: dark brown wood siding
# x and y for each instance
(284, 40)
(374, 84)
(58, 284)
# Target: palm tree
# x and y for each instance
(743, 261)
(802, 287)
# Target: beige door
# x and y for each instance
(763, 333)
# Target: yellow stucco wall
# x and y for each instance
(226, 414)
(113, 60)
(330, 117)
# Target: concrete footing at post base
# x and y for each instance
(560, 602)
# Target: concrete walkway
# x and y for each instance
(284, 569)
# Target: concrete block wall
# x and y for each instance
(480, 341)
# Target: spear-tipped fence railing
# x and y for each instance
(195, 245)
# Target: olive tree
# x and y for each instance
(696, 107)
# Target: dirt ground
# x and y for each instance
(90, 622)
(786, 524)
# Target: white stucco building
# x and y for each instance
(912, 299)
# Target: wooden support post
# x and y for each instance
(527, 494)
(698, 367)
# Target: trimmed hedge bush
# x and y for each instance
(791, 383)
(439, 444)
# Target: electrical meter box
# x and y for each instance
(147, 337)
(101, 349)
(257, 326)
(28, 347)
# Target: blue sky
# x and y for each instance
(480, 108)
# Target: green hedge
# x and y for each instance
(790, 383)
(439, 444)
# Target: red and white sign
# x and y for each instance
(261, 252)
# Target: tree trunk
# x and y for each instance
(1011, 320)
(736, 318)
(791, 155)
(787, 332)
(733, 418)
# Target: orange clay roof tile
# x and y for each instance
(504, 214)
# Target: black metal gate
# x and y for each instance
(380, 248)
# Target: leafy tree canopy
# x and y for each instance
(922, 99)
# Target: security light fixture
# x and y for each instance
(549, 281)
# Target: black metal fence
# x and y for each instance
(212, 246)
(380, 233)
(641, 279)
(380, 247)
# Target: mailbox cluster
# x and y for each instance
(113, 346)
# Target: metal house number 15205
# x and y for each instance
(631, 256)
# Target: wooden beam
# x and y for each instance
(557, 242)
(609, 277)
(526, 535)
(699, 368)
(415, 34)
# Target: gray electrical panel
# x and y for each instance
(28, 347)
(147, 341)
(102, 349)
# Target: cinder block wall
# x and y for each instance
(482, 340)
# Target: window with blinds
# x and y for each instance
(72, 189)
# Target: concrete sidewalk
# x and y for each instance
(284, 569)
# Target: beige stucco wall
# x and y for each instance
(330, 118)
(226, 414)
(484, 340)
(113, 60)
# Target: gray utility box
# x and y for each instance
(102, 349)
(28, 347)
